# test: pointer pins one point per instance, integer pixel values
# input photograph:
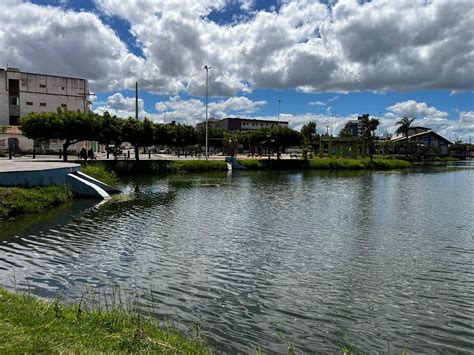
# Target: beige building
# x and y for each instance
(22, 93)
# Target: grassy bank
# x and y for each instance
(28, 325)
(15, 201)
(325, 164)
(166, 166)
(100, 172)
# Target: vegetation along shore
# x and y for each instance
(30, 325)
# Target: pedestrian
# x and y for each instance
(83, 153)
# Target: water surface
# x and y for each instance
(384, 259)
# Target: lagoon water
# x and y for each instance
(382, 260)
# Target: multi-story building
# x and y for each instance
(241, 124)
(22, 93)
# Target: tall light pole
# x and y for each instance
(206, 67)
(136, 100)
(279, 102)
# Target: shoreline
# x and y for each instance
(29, 325)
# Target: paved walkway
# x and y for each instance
(19, 165)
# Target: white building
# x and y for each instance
(22, 93)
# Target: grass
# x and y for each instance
(29, 325)
(325, 163)
(197, 165)
(16, 201)
(100, 172)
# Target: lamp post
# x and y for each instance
(279, 102)
(206, 67)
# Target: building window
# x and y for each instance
(29, 103)
(42, 86)
(14, 101)
(62, 88)
(63, 105)
(42, 103)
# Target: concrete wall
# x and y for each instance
(42, 93)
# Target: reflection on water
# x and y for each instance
(258, 257)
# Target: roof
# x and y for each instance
(16, 70)
(398, 139)
(15, 130)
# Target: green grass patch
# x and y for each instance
(100, 172)
(197, 165)
(16, 201)
(325, 163)
(29, 325)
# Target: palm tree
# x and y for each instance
(404, 126)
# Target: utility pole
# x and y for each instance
(206, 67)
(327, 130)
(136, 100)
(279, 102)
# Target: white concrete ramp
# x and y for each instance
(85, 188)
(109, 189)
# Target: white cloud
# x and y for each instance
(411, 108)
(380, 45)
(121, 106)
(317, 103)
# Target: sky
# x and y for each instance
(326, 61)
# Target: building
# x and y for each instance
(22, 93)
(241, 124)
(427, 137)
(354, 126)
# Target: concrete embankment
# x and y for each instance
(33, 174)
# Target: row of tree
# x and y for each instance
(76, 126)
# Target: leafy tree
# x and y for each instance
(367, 129)
(70, 126)
(309, 134)
(215, 137)
(110, 131)
(133, 132)
(346, 132)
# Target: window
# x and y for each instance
(63, 105)
(62, 87)
(14, 101)
(42, 86)
(42, 103)
(29, 103)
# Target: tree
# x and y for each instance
(403, 128)
(367, 129)
(133, 132)
(308, 131)
(70, 126)
(110, 131)
(346, 132)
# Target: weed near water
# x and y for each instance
(101, 173)
(31, 325)
(16, 201)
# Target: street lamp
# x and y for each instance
(206, 67)
(279, 101)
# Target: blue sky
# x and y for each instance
(326, 61)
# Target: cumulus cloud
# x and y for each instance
(311, 46)
(460, 128)
(121, 106)
(190, 111)
(411, 108)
